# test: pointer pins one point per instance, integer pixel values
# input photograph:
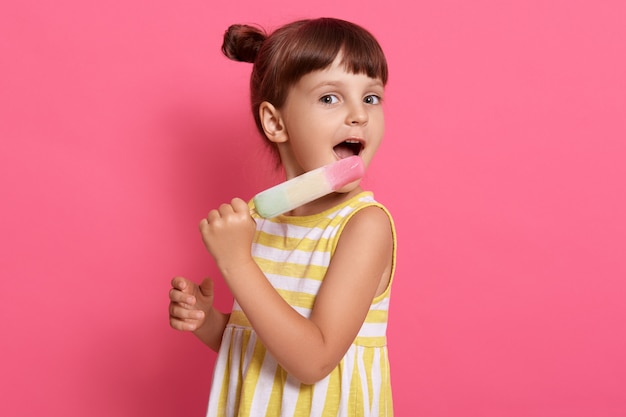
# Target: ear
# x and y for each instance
(272, 122)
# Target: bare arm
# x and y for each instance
(307, 348)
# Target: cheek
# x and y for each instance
(378, 127)
(381, 119)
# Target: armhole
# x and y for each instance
(387, 290)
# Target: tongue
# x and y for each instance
(343, 151)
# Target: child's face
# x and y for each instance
(331, 114)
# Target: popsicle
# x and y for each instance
(307, 187)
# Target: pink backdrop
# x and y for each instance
(121, 125)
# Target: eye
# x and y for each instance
(329, 99)
(372, 99)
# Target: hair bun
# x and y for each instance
(242, 42)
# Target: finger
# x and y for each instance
(180, 297)
(183, 325)
(181, 313)
(213, 216)
(179, 283)
(225, 210)
(206, 287)
(184, 285)
(204, 224)
(240, 206)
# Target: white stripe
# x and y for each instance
(385, 373)
(373, 330)
(298, 257)
(233, 379)
(290, 230)
(249, 352)
(304, 285)
(363, 378)
(382, 304)
(342, 212)
(376, 383)
(304, 312)
(218, 374)
(330, 232)
(319, 397)
(346, 378)
(290, 396)
(265, 383)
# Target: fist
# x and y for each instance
(228, 232)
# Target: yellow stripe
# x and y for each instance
(224, 388)
(251, 382)
(331, 407)
(356, 392)
(238, 318)
(377, 341)
(377, 316)
(368, 361)
(386, 402)
(290, 243)
(275, 402)
(305, 399)
(291, 270)
(298, 299)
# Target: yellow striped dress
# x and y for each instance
(294, 253)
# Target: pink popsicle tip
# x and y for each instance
(345, 171)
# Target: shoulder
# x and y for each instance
(369, 220)
(365, 213)
(369, 225)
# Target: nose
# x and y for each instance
(357, 114)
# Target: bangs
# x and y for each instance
(320, 41)
(362, 59)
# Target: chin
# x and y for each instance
(348, 188)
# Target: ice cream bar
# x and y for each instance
(308, 187)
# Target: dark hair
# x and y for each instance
(296, 49)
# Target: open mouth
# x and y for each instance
(348, 148)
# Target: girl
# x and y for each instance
(306, 334)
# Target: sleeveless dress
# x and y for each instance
(294, 253)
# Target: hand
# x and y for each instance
(189, 303)
(227, 234)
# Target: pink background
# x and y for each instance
(121, 125)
